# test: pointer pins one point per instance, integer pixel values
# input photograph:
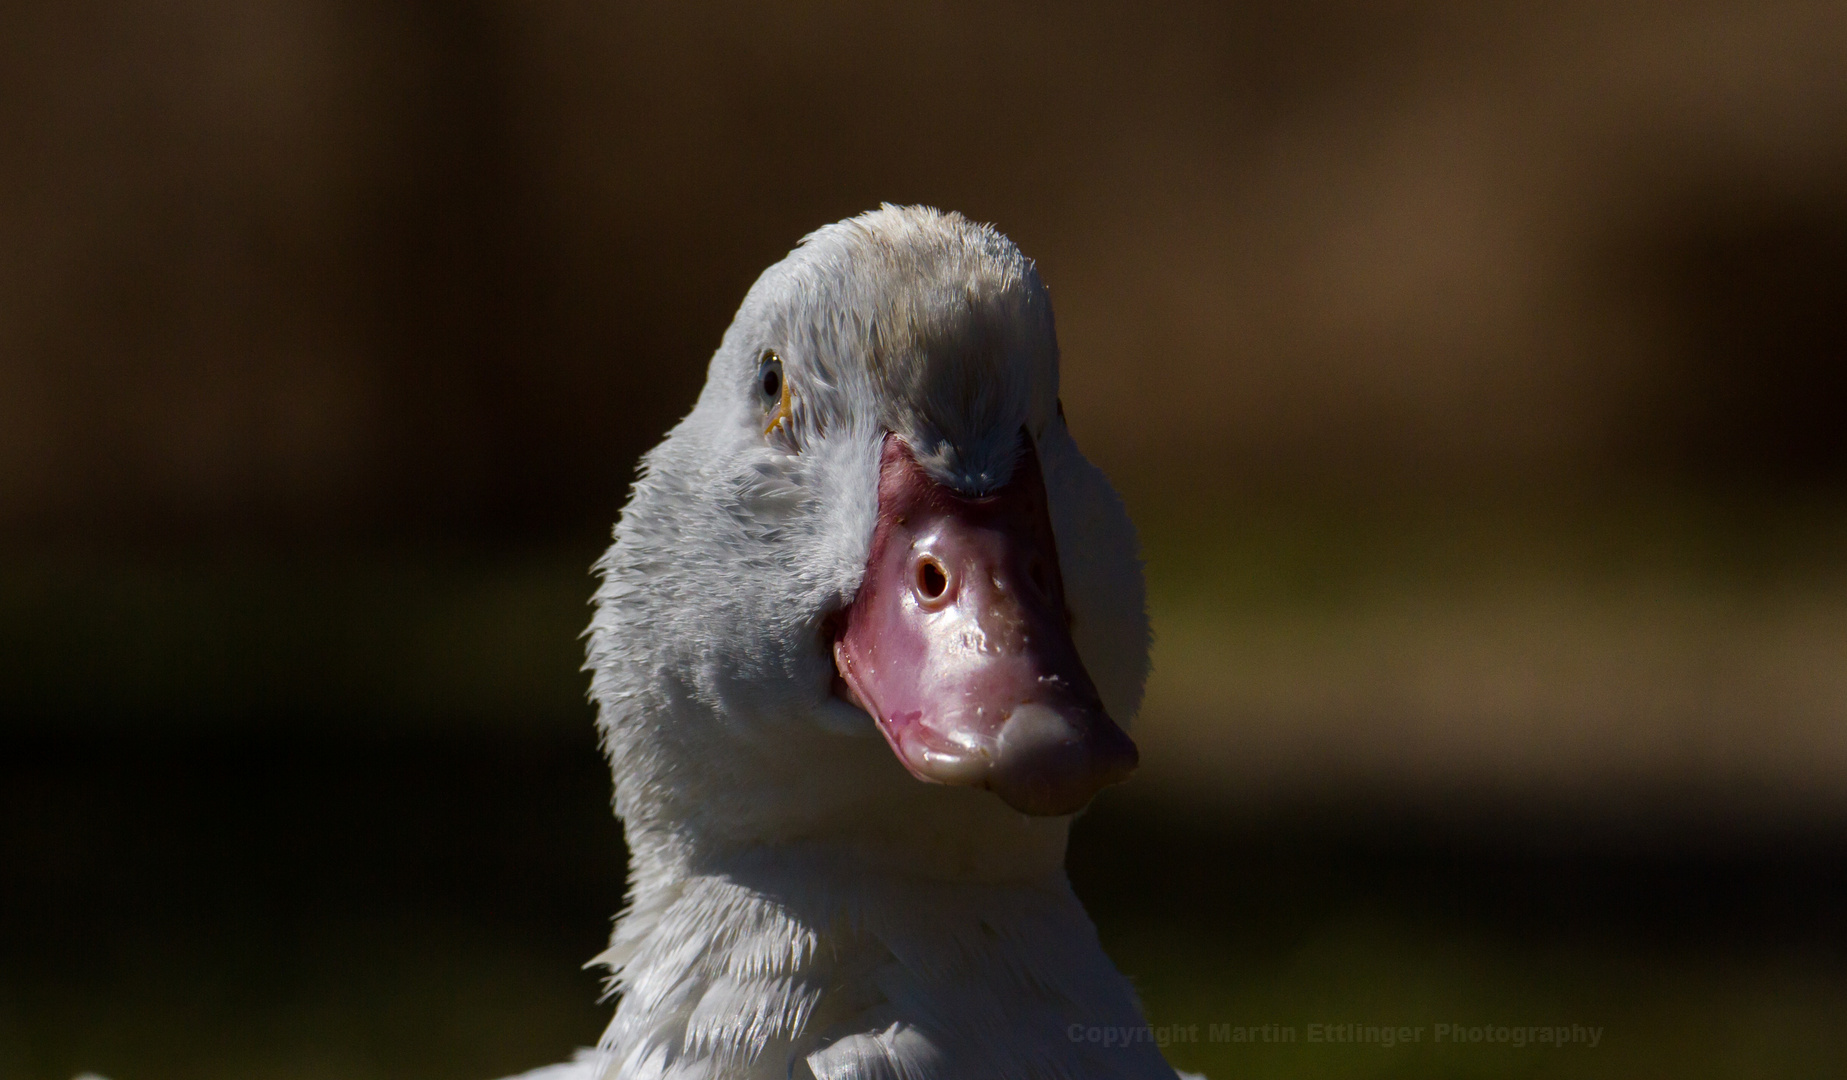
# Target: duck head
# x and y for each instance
(869, 583)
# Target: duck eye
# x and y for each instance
(769, 376)
(772, 390)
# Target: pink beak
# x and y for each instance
(958, 643)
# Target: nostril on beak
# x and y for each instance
(932, 579)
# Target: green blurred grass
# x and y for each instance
(1689, 1014)
(1264, 616)
(492, 638)
(380, 998)
(393, 1000)
(1551, 648)
(1290, 932)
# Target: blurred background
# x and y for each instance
(1477, 374)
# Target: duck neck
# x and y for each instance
(938, 835)
(861, 807)
(859, 968)
(843, 916)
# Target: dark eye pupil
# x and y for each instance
(772, 382)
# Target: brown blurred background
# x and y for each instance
(294, 270)
(1478, 373)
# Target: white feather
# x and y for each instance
(799, 905)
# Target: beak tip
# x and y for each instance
(1049, 766)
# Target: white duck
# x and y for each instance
(871, 556)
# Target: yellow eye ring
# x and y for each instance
(774, 387)
(782, 412)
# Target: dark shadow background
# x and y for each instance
(330, 333)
